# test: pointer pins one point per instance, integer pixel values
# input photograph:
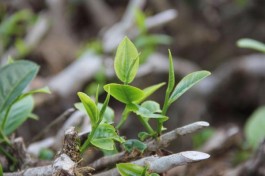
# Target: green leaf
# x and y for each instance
(186, 83)
(171, 74)
(103, 143)
(143, 135)
(140, 20)
(13, 80)
(1, 170)
(152, 106)
(254, 128)
(19, 113)
(148, 41)
(134, 144)
(108, 115)
(45, 90)
(150, 90)
(104, 107)
(251, 44)
(126, 61)
(46, 154)
(146, 113)
(153, 174)
(129, 169)
(104, 136)
(124, 93)
(91, 108)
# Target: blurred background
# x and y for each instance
(74, 42)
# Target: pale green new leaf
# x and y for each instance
(19, 113)
(126, 61)
(103, 143)
(150, 90)
(45, 90)
(13, 80)
(251, 44)
(91, 108)
(152, 106)
(186, 83)
(254, 128)
(124, 93)
(129, 169)
(171, 74)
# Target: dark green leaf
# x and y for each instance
(91, 108)
(126, 61)
(143, 135)
(149, 91)
(129, 169)
(19, 113)
(124, 93)
(254, 128)
(13, 80)
(134, 144)
(251, 44)
(186, 83)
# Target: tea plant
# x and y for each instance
(15, 105)
(103, 134)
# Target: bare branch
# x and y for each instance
(153, 145)
(162, 164)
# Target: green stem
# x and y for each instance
(88, 140)
(124, 116)
(10, 157)
(3, 136)
(5, 118)
(164, 111)
(146, 125)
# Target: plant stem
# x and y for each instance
(10, 157)
(88, 140)
(124, 116)
(164, 111)
(6, 140)
(5, 118)
(146, 125)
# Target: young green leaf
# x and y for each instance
(104, 137)
(134, 144)
(124, 93)
(149, 91)
(45, 90)
(1, 170)
(147, 113)
(13, 80)
(19, 113)
(186, 83)
(143, 135)
(108, 115)
(129, 169)
(251, 44)
(171, 74)
(126, 61)
(104, 107)
(254, 128)
(152, 106)
(90, 107)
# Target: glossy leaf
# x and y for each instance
(126, 61)
(134, 144)
(45, 90)
(104, 137)
(152, 106)
(19, 113)
(146, 113)
(251, 44)
(129, 169)
(254, 128)
(186, 83)
(108, 116)
(143, 135)
(90, 107)
(171, 74)
(13, 80)
(124, 93)
(150, 90)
